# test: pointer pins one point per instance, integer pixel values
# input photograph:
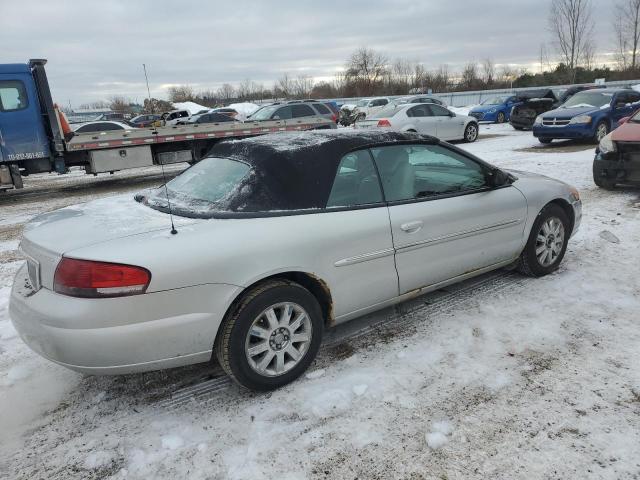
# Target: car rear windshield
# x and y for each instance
(589, 99)
(264, 113)
(211, 185)
(388, 111)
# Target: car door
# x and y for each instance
(300, 110)
(421, 118)
(361, 258)
(446, 220)
(623, 105)
(448, 127)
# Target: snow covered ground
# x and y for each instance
(507, 377)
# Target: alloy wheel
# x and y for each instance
(471, 133)
(549, 241)
(278, 339)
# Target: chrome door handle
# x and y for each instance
(411, 227)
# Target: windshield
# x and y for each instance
(588, 99)
(208, 186)
(264, 113)
(362, 103)
(387, 112)
(493, 101)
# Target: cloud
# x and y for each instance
(96, 49)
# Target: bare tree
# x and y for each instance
(470, 80)
(627, 31)
(120, 104)
(488, 72)
(91, 105)
(366, 69)
(571, 24)
(181, 93)
(226, 92)
(301, 86)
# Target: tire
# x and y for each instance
(500, 118)
(600, 181)
(248, 326)
(602, 129)
(545, 141)
(530, 262)
(517, 128)
(471, 132)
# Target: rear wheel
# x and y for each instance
(271, 336)
(500, 118)
(547, 242)
(471, 132)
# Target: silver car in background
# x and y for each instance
(276, 238)
(426, 118)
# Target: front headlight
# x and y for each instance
(581, 119)
(607, 145)
(538, 120)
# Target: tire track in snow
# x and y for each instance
(396, 318)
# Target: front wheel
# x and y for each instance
(471, 133)
(547, 242)
(500, 118)
(271, 337)
(545, 141)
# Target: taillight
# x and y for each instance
(89, 279)
(384, 123)
(334, 117)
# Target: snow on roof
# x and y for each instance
(244, 108)
(192, 107)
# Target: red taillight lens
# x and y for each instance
(88, 279)
(334, 117)
(384, 123)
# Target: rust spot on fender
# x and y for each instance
(329, 304)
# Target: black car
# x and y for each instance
(211, 117)
(531, 104)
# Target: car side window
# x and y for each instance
(356, 182)
(322, 109)
(421, 171)
(302, 111)
(439, 111)
(283, 113)
(419, 111)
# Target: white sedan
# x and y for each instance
(276, 239)
(425, 118)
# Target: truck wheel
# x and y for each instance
(272, 335)
(16, 177)
(500, 118)
(547, 242)
(602, 129)
(600, 181)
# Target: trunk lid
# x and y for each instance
(48, 236)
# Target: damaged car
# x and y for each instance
(617, 159)
(529, 105)
(275, 239)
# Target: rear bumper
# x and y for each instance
(120, 335)
(564, 131)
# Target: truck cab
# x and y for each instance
(29, 139)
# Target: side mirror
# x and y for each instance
(497, 178)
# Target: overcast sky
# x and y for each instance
(96, 49)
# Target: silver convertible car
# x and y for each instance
(278, 238)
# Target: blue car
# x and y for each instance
(494, 109)
(588, 115)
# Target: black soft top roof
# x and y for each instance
(296, 170)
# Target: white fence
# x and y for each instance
(463, 99)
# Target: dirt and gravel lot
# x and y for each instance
(500, 377)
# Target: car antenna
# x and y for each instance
(164, 178)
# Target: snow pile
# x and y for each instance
(244, 109)
(439, 435)
(192, 107)
(462, 110)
